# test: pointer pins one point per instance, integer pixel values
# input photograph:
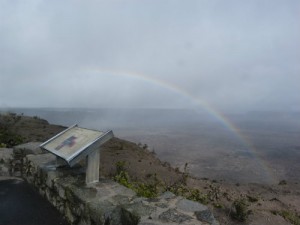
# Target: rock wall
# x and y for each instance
(6, 157)
(105, 202)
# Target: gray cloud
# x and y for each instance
(232, 54)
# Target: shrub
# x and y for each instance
(252, 198)
(142, 189)
(196, 195)
(146, 190)
(241, 211)
(2, 145)
(287, 215)
(122, 176)
(282, 182)
(9, 139)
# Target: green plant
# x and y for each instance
(290, 216)
(2, 145)
(214, 192)
(122, 176)
(189, 193)
(185, 174)
(241, 211)
(142, 189)
(218, 205)
(196, 195)
(252, 198)
(120, 166)
(8, 138)
(146, 190)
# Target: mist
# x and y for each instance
(226, 56)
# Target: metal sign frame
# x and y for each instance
(87, 148)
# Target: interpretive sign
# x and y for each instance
(75, 144)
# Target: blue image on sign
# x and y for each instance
(70, 142)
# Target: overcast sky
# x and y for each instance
(230, 54)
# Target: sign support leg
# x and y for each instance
(92, 167)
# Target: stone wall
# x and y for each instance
(6, 157)
(105, 202)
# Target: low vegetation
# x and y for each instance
(150, 190)
(9, 138)
(155, 186)
(292, 217)
(16, 129)
(240, 209)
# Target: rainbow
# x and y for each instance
(219, 116)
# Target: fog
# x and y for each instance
(221, 55)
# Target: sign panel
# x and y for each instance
(75, 143)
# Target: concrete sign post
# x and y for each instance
(75, 144)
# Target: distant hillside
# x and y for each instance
(25, 129)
